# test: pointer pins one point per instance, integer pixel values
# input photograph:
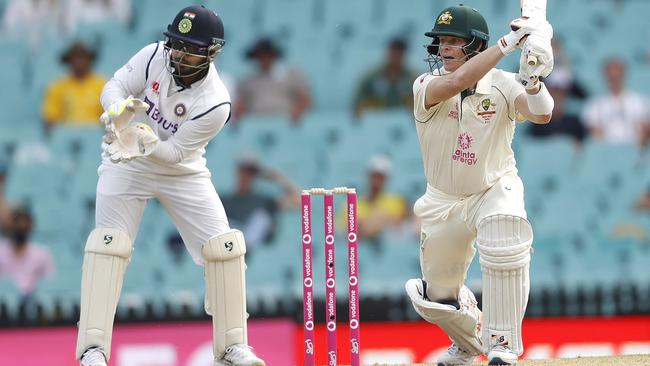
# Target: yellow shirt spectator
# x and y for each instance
(74, 98)
(74, 101)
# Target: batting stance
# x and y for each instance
(465, 112)
(174, 92)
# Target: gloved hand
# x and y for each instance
(520, 28)
(119, 114)
(539, 46)
(132, 141)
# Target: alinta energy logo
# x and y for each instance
(461, 154)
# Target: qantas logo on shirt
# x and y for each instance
(154, 113)
(462, 154)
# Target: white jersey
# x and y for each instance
(185, 119)
(466, 142)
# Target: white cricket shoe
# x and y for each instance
(455, 356)
(239, 355)
(501, 355)
(93, 357)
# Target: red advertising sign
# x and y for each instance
(162, 344)
(406, 342)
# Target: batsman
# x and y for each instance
(466, 111)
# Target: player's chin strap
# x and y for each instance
(504, 244)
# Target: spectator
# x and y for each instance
(255, 213)
(74, 98)
(21, 260)
(388, 86)
(563, 122)
(562, 70)
(621, 116)
(96, 11)
(275, 89)
(31, 20)
(378, 209)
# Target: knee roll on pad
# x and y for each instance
(106, 256)
(225, 283)
(504, 244)
(461, 325)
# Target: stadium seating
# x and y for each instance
(576, 196)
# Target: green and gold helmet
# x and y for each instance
(463, 22)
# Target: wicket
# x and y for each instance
(330, 282)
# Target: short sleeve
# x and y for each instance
(421, 113)
(513, 90)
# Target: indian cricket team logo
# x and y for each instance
(465, 140)
(445, 18)
(179, 110)
(185, 25)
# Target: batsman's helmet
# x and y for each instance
(463, 22)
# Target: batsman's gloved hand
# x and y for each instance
(520, 28)
(538, 45)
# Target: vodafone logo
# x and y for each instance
(308, 282)
(329, 239)
(309, 325)
(306, 239)
(352, 237)
(353, 280)
(331, 283)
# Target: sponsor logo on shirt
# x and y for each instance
(462, 153)
(454, 113)
(155, 86)
(156, 116)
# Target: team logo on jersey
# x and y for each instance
(179, 110)
(185, 25)
(445, 18)
(486, 110)
(155, 86)
(462, 154)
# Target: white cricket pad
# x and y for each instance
(106, 256)
(504, 245)
(225, 283)
(461, 325)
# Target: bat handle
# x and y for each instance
(532, 60)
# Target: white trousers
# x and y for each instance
(449, 228)
(190, 200)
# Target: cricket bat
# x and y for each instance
(533, 9)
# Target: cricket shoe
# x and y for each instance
(239, 355)
(501, 355)
(455, 356)
(93, 357)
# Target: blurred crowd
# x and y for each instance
(275, 88)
